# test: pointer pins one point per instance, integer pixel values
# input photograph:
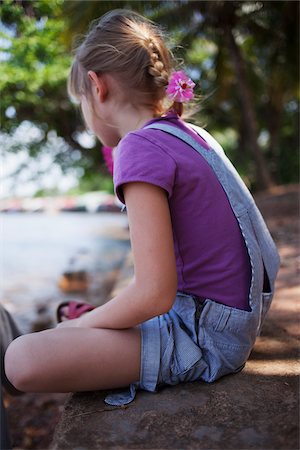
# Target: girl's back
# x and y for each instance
(211, 257)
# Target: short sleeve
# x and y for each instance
(139, 159)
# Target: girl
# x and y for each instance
(204, 262)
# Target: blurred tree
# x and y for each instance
(245, 57)
(243, 54)
(35, 63)
(255, 60)
(224, 20)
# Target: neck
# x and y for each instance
(131, 119)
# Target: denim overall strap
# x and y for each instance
(262, 250)
(218, 161)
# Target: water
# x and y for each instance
(37, 248)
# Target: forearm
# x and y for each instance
(129, 308)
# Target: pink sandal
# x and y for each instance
(76, 309)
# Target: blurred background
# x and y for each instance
(62, 233)
(243, 55)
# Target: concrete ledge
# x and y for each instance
(242, 411)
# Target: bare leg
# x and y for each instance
(74, 359)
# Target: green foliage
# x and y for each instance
(94, 182)
(268, 39)
(35, 50)
(35, 61)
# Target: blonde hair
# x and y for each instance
(132, 49)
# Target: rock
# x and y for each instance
(76, 281)
(239, 411)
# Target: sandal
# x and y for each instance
(76, 309)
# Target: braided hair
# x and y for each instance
(132, 49)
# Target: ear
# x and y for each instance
(99, 84)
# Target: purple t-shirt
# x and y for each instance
(211, 256)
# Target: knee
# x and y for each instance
(18, 363)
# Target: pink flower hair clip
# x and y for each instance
(180, 88)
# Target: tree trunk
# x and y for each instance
(263, 179)
(274, 122)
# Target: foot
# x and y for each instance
(72, 310)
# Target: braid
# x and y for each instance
(156, 68)
(131, 48)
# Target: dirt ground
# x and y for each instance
(33, 417)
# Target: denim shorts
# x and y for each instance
(170, 351)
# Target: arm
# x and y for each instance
(153, 289)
